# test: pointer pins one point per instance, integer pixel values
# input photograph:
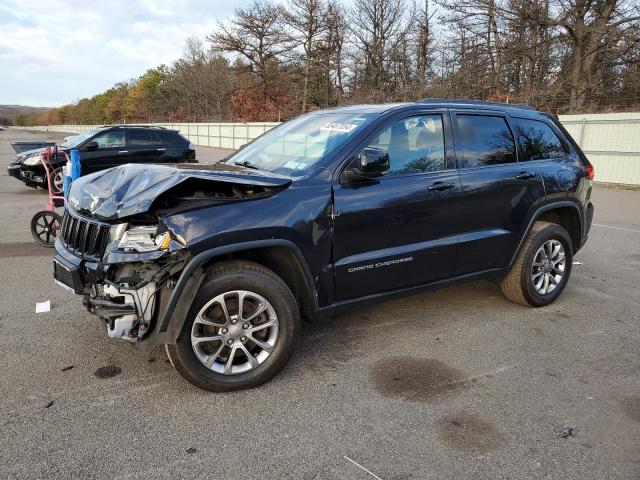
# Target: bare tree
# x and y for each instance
(379, 27)
(308, 20)
(593, 29)
(256, 33)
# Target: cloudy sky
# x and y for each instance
(53, 52)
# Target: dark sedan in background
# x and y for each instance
(107, 147)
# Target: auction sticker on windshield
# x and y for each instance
(338, 127)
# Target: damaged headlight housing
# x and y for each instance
(31, 161)
(144, 239)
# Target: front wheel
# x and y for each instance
(240, 330)
(542, 268)
(57, 181)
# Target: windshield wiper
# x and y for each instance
(247, 164)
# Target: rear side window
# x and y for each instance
(484, 140)
(142, 138)
(172, 138)
(537, 141)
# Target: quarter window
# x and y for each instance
(537, 141)
(414, 144)
(111, 139)
(484, 140)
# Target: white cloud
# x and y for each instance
(55, 51)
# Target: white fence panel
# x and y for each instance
(611, 141)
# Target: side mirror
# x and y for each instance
(92, 145)
(373, 162)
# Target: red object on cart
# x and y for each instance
(45, 224)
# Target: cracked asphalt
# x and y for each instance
(456, 383)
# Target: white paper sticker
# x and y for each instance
(43, 307)
(292, 165)
(338, 127)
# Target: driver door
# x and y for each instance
(111, 151)
(398, 230)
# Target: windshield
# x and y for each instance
(297, 145)
(76, 140)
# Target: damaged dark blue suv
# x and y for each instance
(220, 262)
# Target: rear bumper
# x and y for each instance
(587, 219)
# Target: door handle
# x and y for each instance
(123, 151)
(525, 175)
(161, 149)
(439, 186)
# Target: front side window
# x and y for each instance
(414, 144)
(295, 146)
(110, 139)
(537, 141)
(484, 140)
(77, 140)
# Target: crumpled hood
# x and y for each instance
(131, 189)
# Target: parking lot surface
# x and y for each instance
(456, 383)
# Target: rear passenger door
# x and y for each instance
(173, 148)
(497, 192)
(543, 150)
(144, 146)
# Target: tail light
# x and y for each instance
(590, 171)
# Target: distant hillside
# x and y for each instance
(11, 111)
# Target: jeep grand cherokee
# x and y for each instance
(219, 262)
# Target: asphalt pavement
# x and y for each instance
(456, 383)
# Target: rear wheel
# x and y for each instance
(240, 330)
(542, 268)
(45, 226)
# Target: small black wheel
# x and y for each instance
(542, 268)
(240, 330)
(57, 181)
(45, 226)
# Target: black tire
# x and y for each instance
(45, 226)
(226, 277)
(518, 285)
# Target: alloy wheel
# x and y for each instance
(58, 181)
(548, 267)
(234, 332)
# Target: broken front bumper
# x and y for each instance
(126, 295)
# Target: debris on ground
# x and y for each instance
(68, 367)
(568, 432)
(107, 372)
(42, 307)
(191, 450)
(49, 404)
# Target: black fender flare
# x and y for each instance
(171, 320)
(545, 208)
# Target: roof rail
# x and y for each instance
(465, 101)
(137, 125)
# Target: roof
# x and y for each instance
(364, 108)
(434, 102)
(470, 103)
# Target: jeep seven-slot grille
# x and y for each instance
(84, 237)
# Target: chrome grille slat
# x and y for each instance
(86, 238)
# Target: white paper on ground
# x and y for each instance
(43, 307)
